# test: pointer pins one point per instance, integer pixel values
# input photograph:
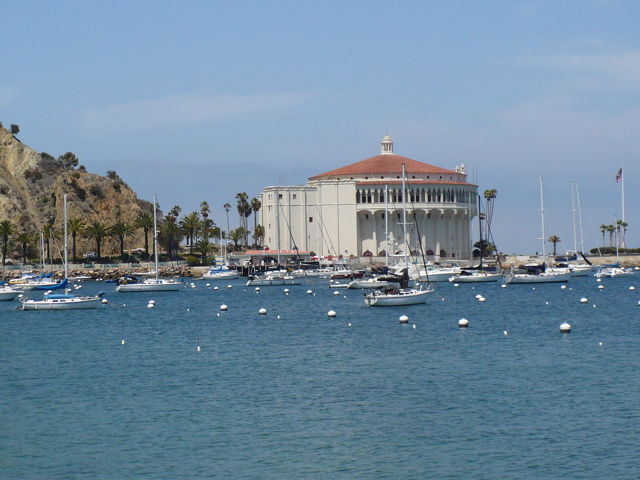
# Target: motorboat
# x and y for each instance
(8, 293)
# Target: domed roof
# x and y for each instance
(383, 164)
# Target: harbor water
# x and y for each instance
(187, 390)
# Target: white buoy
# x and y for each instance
(565, 328)
(105, 301)
(123, 341)
(478, 297)
(463, 323)
(600, 343)
(506, 333)
(208, 285)
(336, 292)
(309, 292)
(503, 286)
(152, 301)
(198, 347)
(563, 287)
(599, 280)
(193, 286)
(278, 317)
(349, 324)
(331, 313)
(257, 289)
(286, 290)
(215, 288)
(404, 319)
(482, 299)
(632, 287)
(229, 286)
(584, 300)
(600, 287)
(223, 308)
(262, 311)
(456, 285)
(151, 305)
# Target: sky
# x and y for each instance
(199, 100)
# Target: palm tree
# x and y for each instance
(204, 246)
(190, 225)
(603, 228)
(237, 235)
(255, 207)
(258, 234)
(171, 232)
(489, 196)
(97, 231)
(244, 210)
(227, 207)
(205, 210)
(48, 232)
(624, 226)
(121, 230)
(611, 229)
(555, 240)
(24, 239)
(207, 226)
(75, 226)
(6, 230)
(145, 222)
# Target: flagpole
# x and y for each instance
(622, 168)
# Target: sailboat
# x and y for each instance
(62, 301)
(476, 274)
(545, 275)
(43, 281)
(402, 295)
(156, 284)
(220, 269)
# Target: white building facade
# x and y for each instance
(360, 209)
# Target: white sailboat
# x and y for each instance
(546, 276)
(66, 300)
(403, 295)
(7, 293)
(156, 284)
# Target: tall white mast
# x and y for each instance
(544, 240)
(580, 218)
(386, 225)
(155, 235)
(573, 215)
(404, 216)
(66, 241)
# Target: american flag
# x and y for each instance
(619, 175)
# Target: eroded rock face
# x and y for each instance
(32, 188)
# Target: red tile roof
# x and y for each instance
(385, 164)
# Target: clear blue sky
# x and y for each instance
(201, 100)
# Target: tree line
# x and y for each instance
(196, 229)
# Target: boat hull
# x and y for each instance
(150, 287)
(480, 278)
(542, 278)
(78, 303)
(404, 297)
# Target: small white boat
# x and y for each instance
(269, 280)
(156, 284)
(220, 272)
(481, 276)
(543, 277)
(368, 283)
(7, 293)
(393, 297)
(439, 274)
(62, 301)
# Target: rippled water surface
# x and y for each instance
(296, 394)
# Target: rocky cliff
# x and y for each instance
(33, 185)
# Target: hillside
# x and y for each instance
(32, 187)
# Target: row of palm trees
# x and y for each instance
(617, 230)
(196, 228)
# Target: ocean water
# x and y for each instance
(294, 394)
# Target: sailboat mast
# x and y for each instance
(544, 247)
(386, 225)
(155, 234)
(404, 216)
(580, 218)
(573, 214)
(66, 241)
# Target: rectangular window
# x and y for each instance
(294, 196)
(279, 195)
(310, 219)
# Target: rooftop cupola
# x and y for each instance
(386, 147)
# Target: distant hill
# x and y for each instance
(32, 187)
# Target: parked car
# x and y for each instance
(90, 255)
